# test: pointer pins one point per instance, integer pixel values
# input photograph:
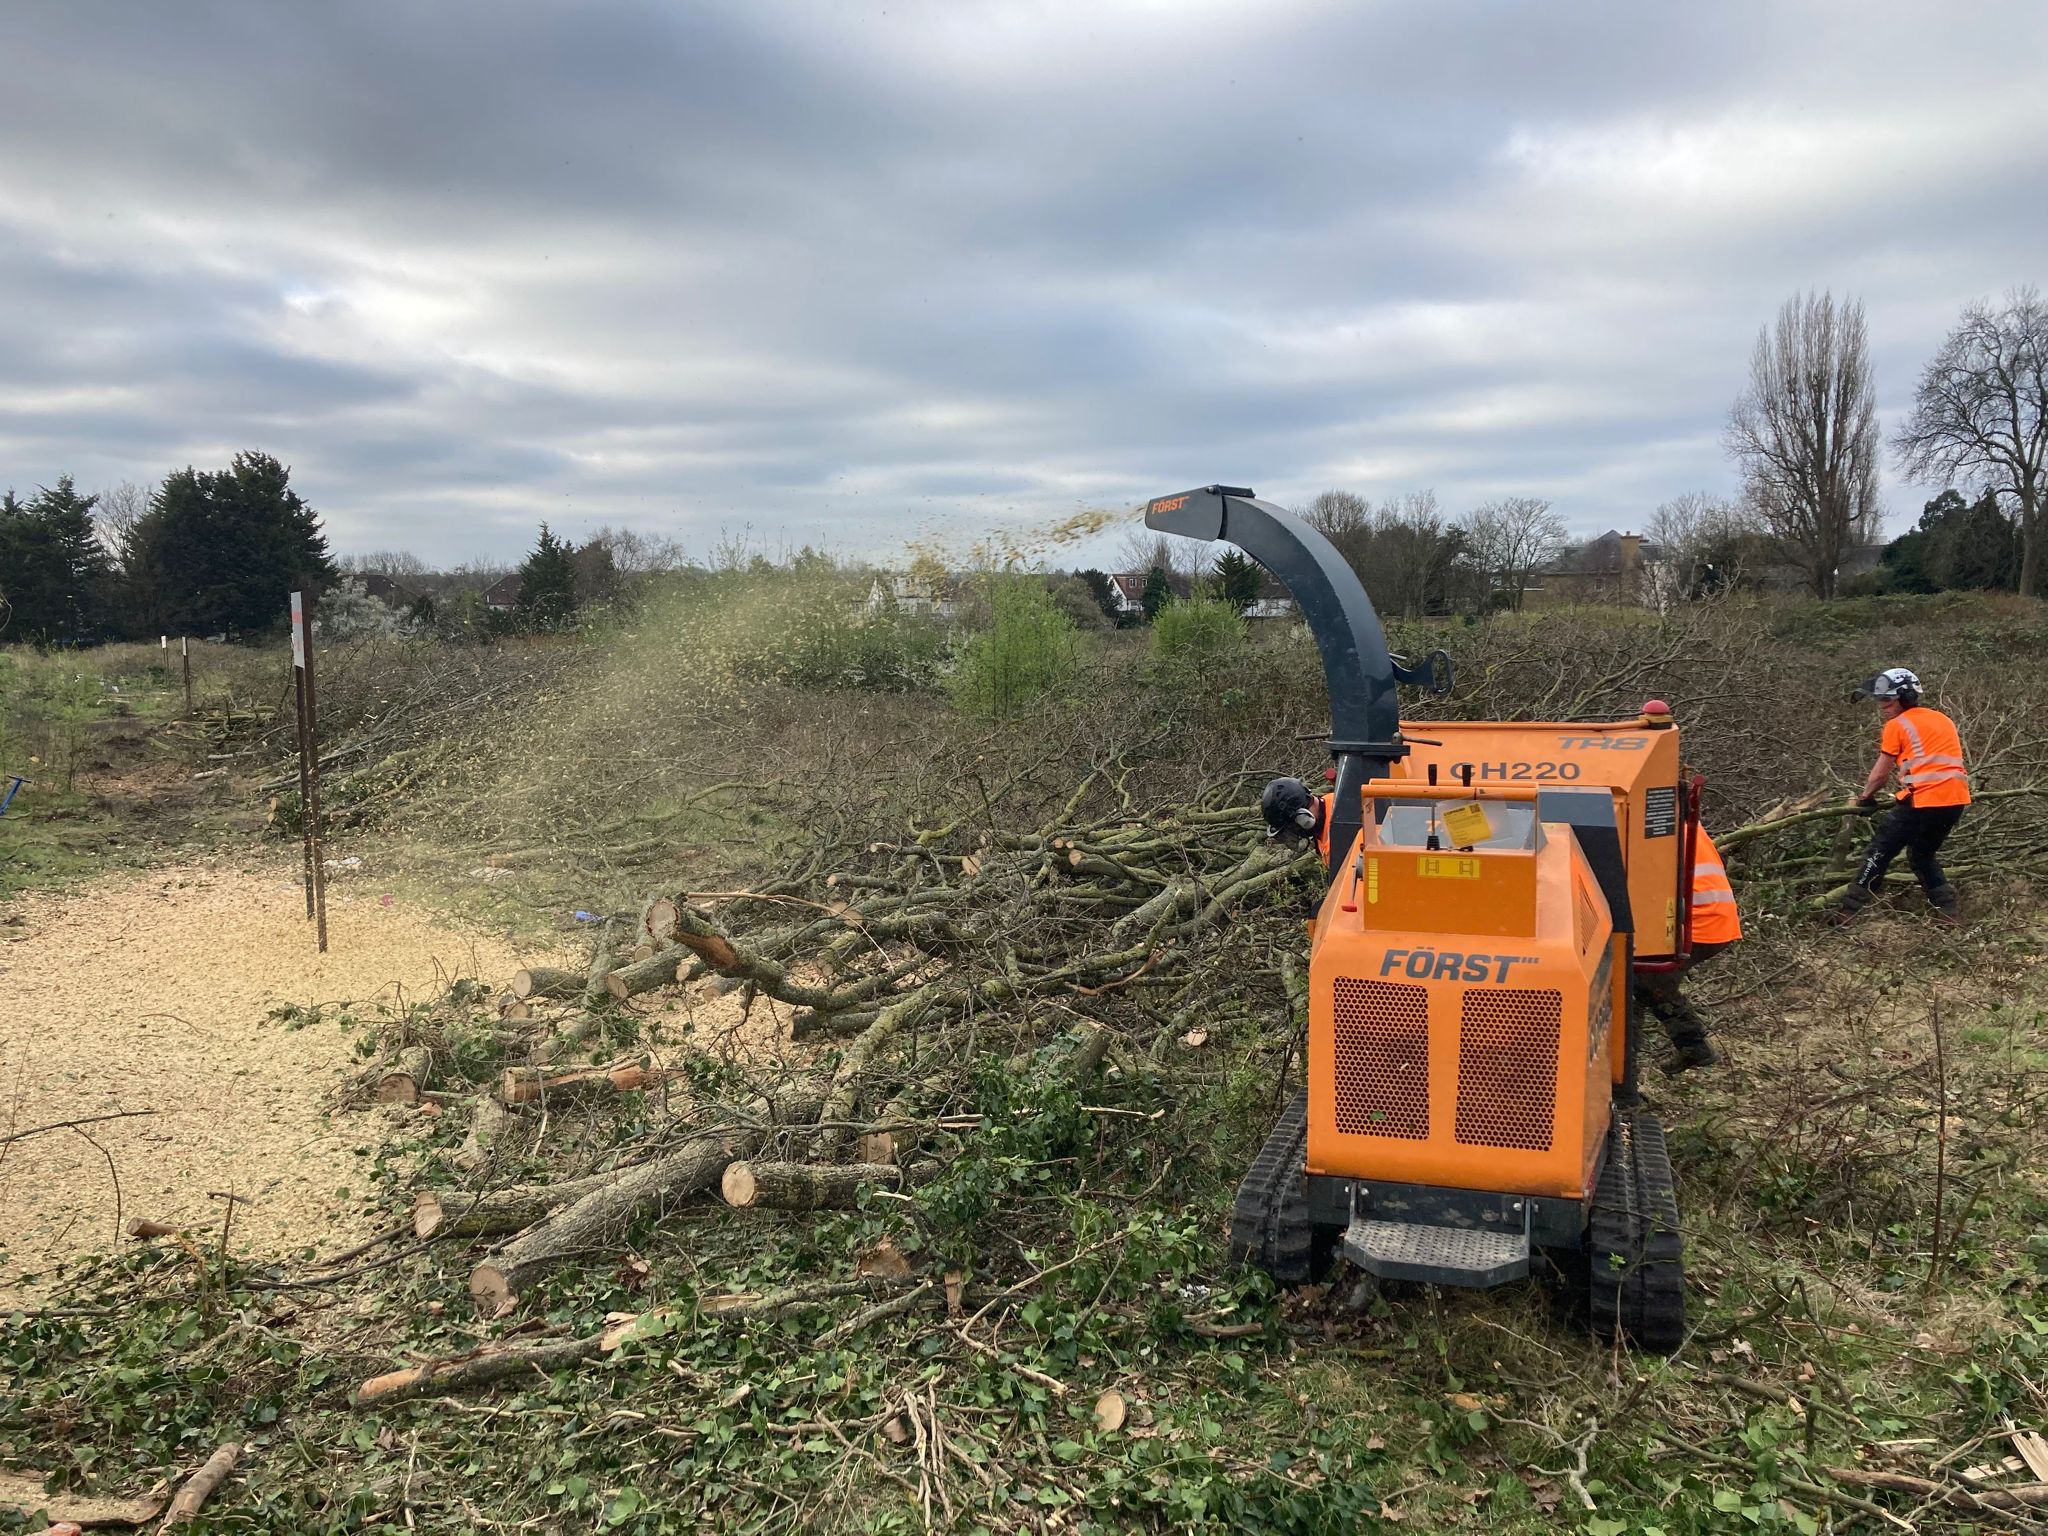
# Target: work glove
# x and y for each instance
(1864, 805)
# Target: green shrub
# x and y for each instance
(1030, 650)
(1194, 631)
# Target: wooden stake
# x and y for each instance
(309, 764)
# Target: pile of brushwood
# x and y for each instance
(974, 1006)
(1080, 965)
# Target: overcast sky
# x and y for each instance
(852, 273)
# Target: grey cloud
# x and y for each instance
(837, 271)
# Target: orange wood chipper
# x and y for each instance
(1470, 1107)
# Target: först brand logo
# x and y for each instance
(1169, 504)
(1450, 965)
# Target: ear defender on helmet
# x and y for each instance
(1290, 810)
(1899, 683)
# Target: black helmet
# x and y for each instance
(1290, 810)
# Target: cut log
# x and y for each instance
(399, 1080)
(661, 922)
(487, 1365)
(200, 1485)
(530, 1085)
(142, 1227)
(645, 974)
(463, 1213)
(671, 920)
(489, 1127)
(1088, 1054)
(810, 1023)
(804, 1186)
(502, 1362)
(545, 981)
(599, 1219)
(639, 952)
(514, 1009)
(603, 961)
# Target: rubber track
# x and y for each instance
(1635, 1252)
(1269, 1225)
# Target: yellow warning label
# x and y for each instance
(1467, 824)
(1372, 881)
(1447, 866)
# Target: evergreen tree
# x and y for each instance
(1235, 581)
(55, 577)
(1157, 594)
(221, 551)
(1958, 545)
(1103, 590)
(547, 584)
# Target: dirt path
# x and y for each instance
(152, 992)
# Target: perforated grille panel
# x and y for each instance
(1382, 1038)
(1507, 1067)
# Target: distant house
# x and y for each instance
(926, 597)
(387, 590)
(502, 595)
(1274, 600)
(1615, 568)
(1129, 591)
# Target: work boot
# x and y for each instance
(1692, 1051)
(1854, 900)
(1948, 906)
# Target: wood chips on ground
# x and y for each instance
(153, 992)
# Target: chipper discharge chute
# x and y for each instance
(1472, 1040)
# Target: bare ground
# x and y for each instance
(154, 992)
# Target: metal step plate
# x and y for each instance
(1406, 1250)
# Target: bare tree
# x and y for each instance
(1184, 560)
(383, 562)
(1402, 549)
(640, 554)
(1706, 543)
(118, 510)
(1805, 434)
(1510, 539)
(1337, 515)
(1346, 520)
(1412, 549)
(1980, 414)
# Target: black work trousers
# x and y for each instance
(1658, 993)
(1918, 834)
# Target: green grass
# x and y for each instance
(52, 840)
(77, 725)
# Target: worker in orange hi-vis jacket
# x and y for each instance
(1715, 925)
(1921, 746)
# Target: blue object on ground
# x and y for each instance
(587, 917)
(13, 789)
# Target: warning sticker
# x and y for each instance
(1660, 812)
(1467, 824)
(1447, 866)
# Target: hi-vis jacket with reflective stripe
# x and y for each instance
(1714, 918)
(1930, 755)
